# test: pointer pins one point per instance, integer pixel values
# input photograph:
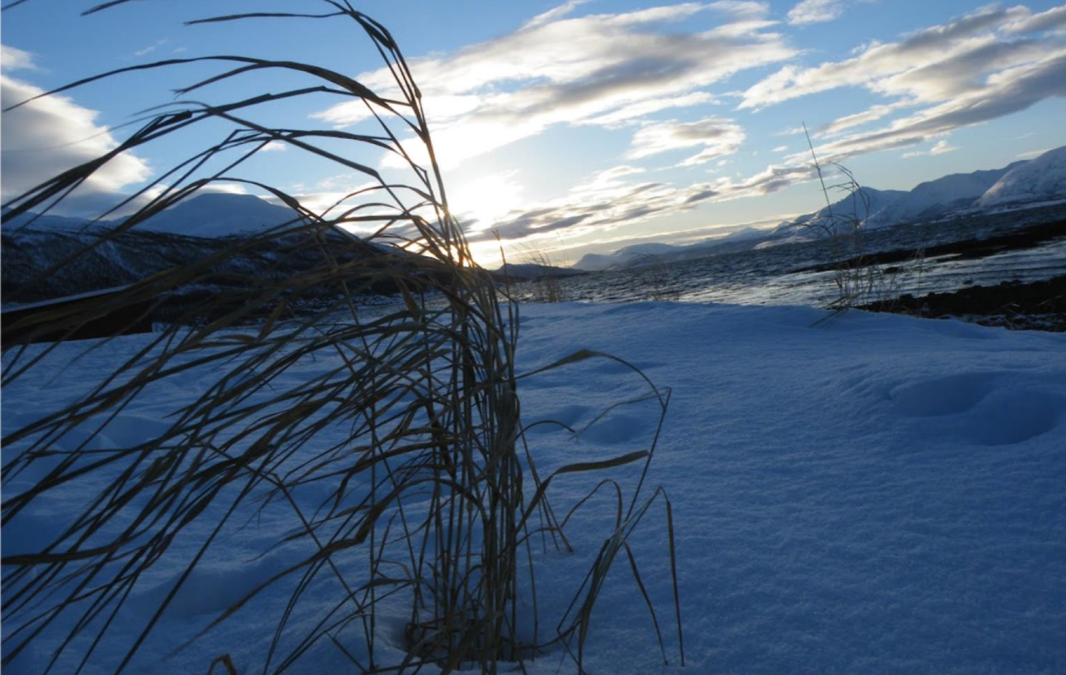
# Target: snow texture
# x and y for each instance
(875, 494)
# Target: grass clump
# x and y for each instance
(428, 496)
(858, 278)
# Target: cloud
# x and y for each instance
(815, 11)
(871, 114)
(604, 69)
(616, 197)
(1032, 153)
(274, 146)
(12, 58)
(1052, 20)
(875, 66)
(974, 69)
(716, 136)
(939, 149)
(1004, 93)
(52, 134)
(151, 48)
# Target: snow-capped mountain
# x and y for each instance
(623, 257)
(1041, 179)
(45, 257)
(210, 215)
(218, 215)
(1034, 181)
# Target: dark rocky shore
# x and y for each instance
(1039, 305)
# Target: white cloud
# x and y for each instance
(815, 11)
(1052, 20)
(611, 199)
(949, 51)
(53, 134)
(274, 146)
(979, 67)
(871, 114)
(717, 137)
(1032, 153)
(1004, 93)
(151, 48)
(605, 69)
(12, 58)
(939, 149)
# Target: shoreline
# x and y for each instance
(1038, 305)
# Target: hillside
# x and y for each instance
(1041, 179)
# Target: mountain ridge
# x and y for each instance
(1025, 181)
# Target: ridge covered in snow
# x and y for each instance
(208, 215)
(1041, 179)
(1033, 181)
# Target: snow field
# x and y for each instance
(875, 494)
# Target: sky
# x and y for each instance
(573, 127)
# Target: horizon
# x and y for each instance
(585, 127)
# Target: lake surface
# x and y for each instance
(770, 276)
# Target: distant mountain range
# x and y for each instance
(200, 224)
(209, 215)
(46, 258)
(1016, 185)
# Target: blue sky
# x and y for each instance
(581, 126)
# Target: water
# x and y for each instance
(770, 277)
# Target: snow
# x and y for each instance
(219, 215)
(207, 214)
(1040, 179)
(872, 494)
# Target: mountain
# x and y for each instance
(216, 214)
(1041, 179)
(521, 271)
(209, 215)
(45, 257)
(1033, 181)
(1015, 185)
(45, 222)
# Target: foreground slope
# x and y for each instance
(875, 494)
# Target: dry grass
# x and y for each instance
(432, 466)
(859, 280)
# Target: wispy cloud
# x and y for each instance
(982, 66)
(616, 197)
(151, 48)
(1004, 93)
(939, 149)
(1052, 20)
(815, 11)
(12, 59)
(942, 51)
(1032, 153)
(715, 136)
(605, 69)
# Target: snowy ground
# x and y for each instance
(875, 494)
